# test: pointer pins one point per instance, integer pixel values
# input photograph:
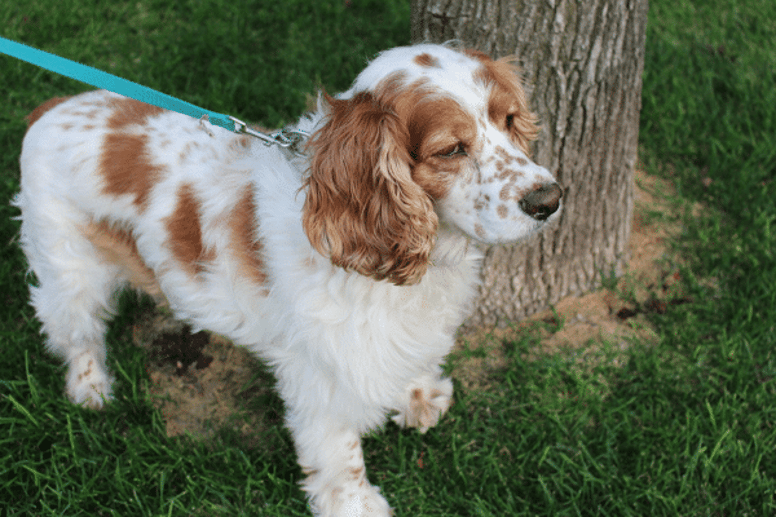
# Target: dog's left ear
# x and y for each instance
(363, 209)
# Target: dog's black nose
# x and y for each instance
(542, 202)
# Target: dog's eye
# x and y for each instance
(455, 150)
(510, 122)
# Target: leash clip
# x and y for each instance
(285, 138)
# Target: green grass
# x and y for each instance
(686, 427)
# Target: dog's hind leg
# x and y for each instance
(74, 293)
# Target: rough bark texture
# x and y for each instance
(582, 63)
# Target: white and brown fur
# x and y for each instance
(348, 268)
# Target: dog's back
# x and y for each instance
(115, 192)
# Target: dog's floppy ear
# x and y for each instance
(363, 209)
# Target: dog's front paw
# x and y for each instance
(366, 501)
(88, 384)
(348, 494)
(425, 401)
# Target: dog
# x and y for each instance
(347, 264)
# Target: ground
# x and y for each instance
(201, 383)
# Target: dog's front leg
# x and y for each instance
(332, 460)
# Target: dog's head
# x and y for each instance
(425, 134)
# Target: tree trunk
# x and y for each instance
(582, 63)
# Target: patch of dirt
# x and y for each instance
(201, 383)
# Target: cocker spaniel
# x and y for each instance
(347, 264)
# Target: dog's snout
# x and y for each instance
(542, 202)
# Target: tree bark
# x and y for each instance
(582, 63)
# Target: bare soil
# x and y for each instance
(201, 383)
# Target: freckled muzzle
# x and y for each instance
(542, 202)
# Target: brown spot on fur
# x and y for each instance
(184, 231)
(508, 105)
(426, 60)
(245, 244)
(88, 372)
(390, 86)
(117, 246)
(504, 193)
(503, 154)
(244, 141)
(43, 109)
(91, 114)
(509, 174)
(187, 150)
(502, 211)
(356, 472)
(127, 168)
(124, 162)
(129, 111)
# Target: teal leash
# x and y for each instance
(106, 81)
